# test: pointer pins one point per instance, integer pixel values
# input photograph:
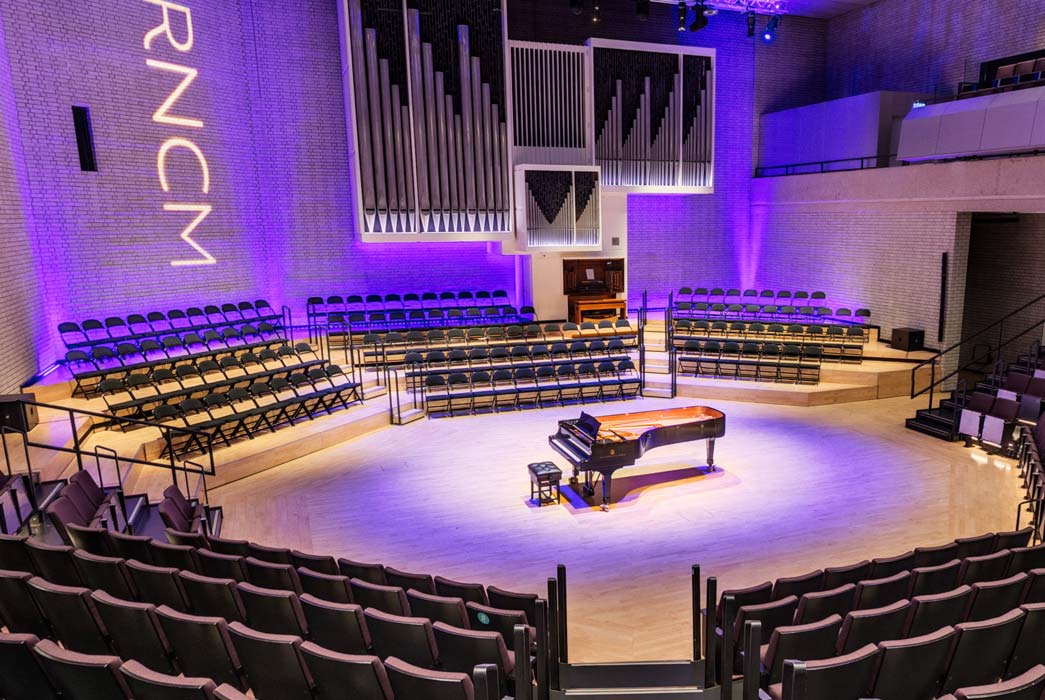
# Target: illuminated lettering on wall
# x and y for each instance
(176, 27)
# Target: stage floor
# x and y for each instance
(798, 489)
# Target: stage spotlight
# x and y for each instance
(770, 34)
(682, 15)
(700, 20)
(751, 19)
(642, 9)
(577, 6)
(595, 16)
(708, 10)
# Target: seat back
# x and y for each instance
(332, 587)
(346, 675)
(272, 611)
(147, 684)
(158, 585)
(929, 613)
(873, 625)
(993, 598)
(807, 642)
(336, 626)
(390, 599)
(468, 592)
(438, 608)
(22, 677)
(201, 645)
(135, 631)
(982, 650)
(987, 567)
(913, 667)
(834, 601)
(485, 618)
(798, 585)
(462, 650)
(1026, 686)
(213, 597)
(410, 638)
(53, 562)
(848, 676)
(82, 676)
(272, 663)
(105, 574)
(409, 681)
(72, 615)
(18, 610)
(876, 593)
(1029, 650)
(930, 580)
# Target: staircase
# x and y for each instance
(667, 680)
(657, 361)
(941, 420)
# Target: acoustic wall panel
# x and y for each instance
(559, 208)
(427, 85)
(652, 116)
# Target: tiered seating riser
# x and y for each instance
(723, 366)
(424, 371)
(829, 350)
(395, 354)
(535, 394)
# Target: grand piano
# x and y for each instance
(604, 444)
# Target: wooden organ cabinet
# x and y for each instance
(592, 288)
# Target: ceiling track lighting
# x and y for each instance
(682, 15)
(596, 17)
(752, 18)
(769, 35)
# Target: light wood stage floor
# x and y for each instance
(799, 488)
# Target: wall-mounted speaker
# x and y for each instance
(16, 415)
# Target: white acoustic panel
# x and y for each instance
(1007, 122)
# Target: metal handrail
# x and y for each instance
(932, 361)
(788, 169)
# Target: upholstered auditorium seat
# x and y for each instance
(411, 638)
(202, 646)
(14, 556)
(835, 576)
(135, 631)
(147, 684)
(798, 585)
(81, 676)
(335, 674)
(935, 556)
(213, 597)
(993, 598)
(18, 610)
(390, 599)
(370, 573)
(929, 580)
(271, 575)
(913, 668)
(73, 618)
(331, 587)
(808, 642)
(217, 565)
(931, 612)
(462, 650)
(272, 663)
(337, 626)
(105, 573)
(1028, 686)
(510, 600)
(314, 562)
(873, 625)
(54, 562)
(22, 675)
(976, 546)
(1030, 649)
(159, 585)
(816, 606)
(273, 611)
(406, 581)
(876, 593)
(438, 608)
(848, 677)
(982, 650)
(176, 556)
(486, 618)
(987, 567)
(1025, 559)
(409, 681)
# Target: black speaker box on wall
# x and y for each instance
(908, 339)
(17, 415)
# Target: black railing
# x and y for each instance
(669, 343)
(829, 166)
(169, 435)
(977, 342)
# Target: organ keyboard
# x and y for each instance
(604, 444)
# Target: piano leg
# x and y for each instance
(711, 453)
(607, 480)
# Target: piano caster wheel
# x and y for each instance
(605, 508)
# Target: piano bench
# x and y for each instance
(544, 482)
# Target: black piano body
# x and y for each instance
(604, 444)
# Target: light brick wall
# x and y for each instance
(19, 319)
(926, 45)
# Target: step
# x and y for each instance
(928, 429)
(657, 392)
(940, 419)
(372, 392)
(411, 415)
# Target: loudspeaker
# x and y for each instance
(908, 339)
(17, 415)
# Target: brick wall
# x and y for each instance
(18, 294)
(1007, 255)
(926, 45)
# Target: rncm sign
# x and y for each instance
(175, 28)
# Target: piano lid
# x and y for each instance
(629, 426)
(588, 424)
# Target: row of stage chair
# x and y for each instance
(146, 356)
(135, 395)
(359, 321)
(765, 296)
(916, 625)
(550, 384)
(393, 348)
(248, 626)
(770, 312)
(990, 416)
(789, 363)
(754, 330)
(338, 304)
(265, 405)
(1029, 450)
(154, 324)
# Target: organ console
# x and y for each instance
(604, 444)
